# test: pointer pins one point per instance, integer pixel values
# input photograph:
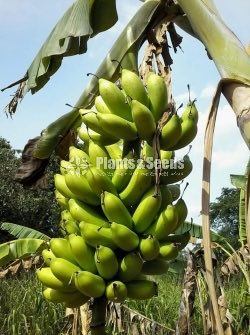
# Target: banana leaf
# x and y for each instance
(125, 52)
(228, 54)
(69, 37)
(20, 249)
(239, 181)
(195, 230)
(21, 232)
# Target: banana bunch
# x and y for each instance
(118, 224)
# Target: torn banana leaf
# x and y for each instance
(69, 37)
(19, 249)
(124, 51)
(21, 232)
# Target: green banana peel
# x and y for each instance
(125, 52)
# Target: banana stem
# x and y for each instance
(98, 316)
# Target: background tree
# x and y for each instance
(33, 208)
(224, 215)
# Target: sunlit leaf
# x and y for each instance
(21, 232)
(19, 249)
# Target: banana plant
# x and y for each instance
(197, 17)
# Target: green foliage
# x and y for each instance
(32, 208)
(22, 232)
(24, 311)
(18, 249)
(224, 215)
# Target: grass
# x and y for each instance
(23, 311)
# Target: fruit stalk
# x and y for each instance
(98, 316)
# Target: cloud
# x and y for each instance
(208, 91)
(231, 159)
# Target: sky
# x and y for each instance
(25, 25)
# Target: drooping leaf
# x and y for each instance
(195, 230)
(238, 181)
(124, 51)
(69, 37)
(227, 51)
(228, 54)
(21, 232)
(19, 249)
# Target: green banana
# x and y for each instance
(46, 277)
(66, 216)
(142, 289)
(124, 172)
(130, 266)
(79, 186)
(144, 121)
(167, 154)
(62, 187)
(114, 150)
(114, 99)
(95, 236)
(70, 227)
(99, 157)
(77, 300)
(149, 154)
(83, 253)
(103, 140)
(82, 212)
(72, 299)
(190, 112)
(63, 269)
(166, 196)
(149, 248)
(165, 224)
(147, 210)
(116, 126)
(115, 210)
(90, 284)
(148, 151)
(89, 118)
(168, 251)
(155, 267)
(182, 169)
(99, 181)
(158, 95)
(61, 200)
(106, 262)
(116, 291)
(189, 130)
(171, 133)
(100, 105)
(76, 155)
(133, 87)
(182, 211)
(47, 256)
(61, 249)
(175, 191)
(66, 167)
(137, 186)
(123, 237)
